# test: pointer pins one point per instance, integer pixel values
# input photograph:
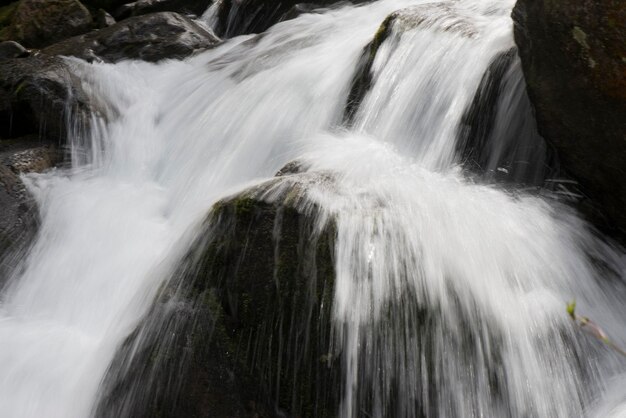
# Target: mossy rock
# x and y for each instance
(38, 23)
(243, 327)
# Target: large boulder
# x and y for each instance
(152, 37)
(39, 95)
(243, 329)
(574, 61)
(37, 23)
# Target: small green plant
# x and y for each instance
(591, 328)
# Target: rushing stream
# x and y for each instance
(413, 228)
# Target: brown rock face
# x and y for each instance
(37, 23)
(574, 60)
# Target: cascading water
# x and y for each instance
(449, 297)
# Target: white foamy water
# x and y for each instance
(413, 234)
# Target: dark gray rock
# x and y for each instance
(152, 37)
(104, 19)
(38, 95)
(574, 60)
(11, 49)
(37, 23)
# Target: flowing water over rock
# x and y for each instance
(449, 294)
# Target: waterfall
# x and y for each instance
(486, 269)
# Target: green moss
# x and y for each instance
(382, 34)
(245, 205)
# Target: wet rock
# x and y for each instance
(142, 7)
(11, 49)
(243, 329)
(574, 61)
(104, 19)
(19, 213)
(38, 95)
(237, 17)
(37, 23)
(152, 37)
(434, 16)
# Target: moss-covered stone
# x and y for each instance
(241, 328)
(37, 23)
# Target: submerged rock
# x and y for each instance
(434, 16)
(243, 329)
(574, 60)
(498, 137)
(40, 95)
(19, 213)
(152, 37)
(37, 23)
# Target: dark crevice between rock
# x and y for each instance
(498, 138)
(239, 17)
